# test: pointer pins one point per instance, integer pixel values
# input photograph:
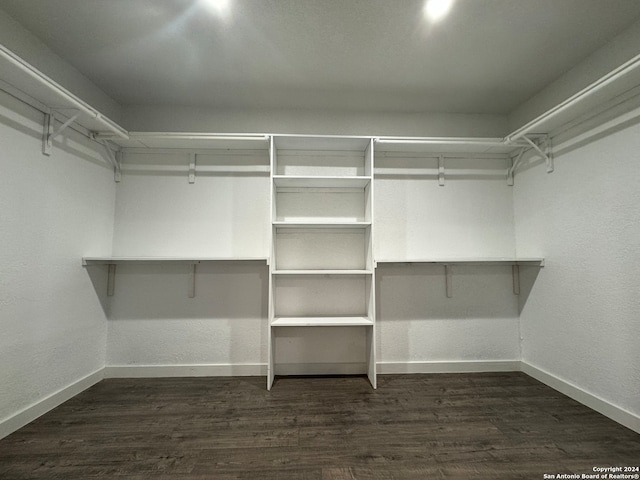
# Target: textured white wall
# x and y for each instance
(471, 216)
(152, 321)
(581, 321)
(158, 213)
(52, 211)
(311, 122)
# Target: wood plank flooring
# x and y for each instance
(444, 426)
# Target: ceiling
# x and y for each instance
(487, 56)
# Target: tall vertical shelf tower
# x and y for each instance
(321, 265)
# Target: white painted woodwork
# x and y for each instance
(322, 254)
(353, 321)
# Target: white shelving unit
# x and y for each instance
(321, 268)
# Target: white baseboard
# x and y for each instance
(32, 412)
(607, 409)
(285, 369)
(206, 370)
(449, 367)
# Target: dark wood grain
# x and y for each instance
(444, 426)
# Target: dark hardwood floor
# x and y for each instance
(480, 426)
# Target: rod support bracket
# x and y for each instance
(50, 132)
(192, 167)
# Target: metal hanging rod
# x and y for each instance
(75, 102)
(594, 87)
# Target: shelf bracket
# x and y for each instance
(111, 279)
(514, 165)
(543, 147)
(192, 168)
(50, 132)
(448, 280)
(115, 158)
(441, 170)
(192, 280)
(515, 271)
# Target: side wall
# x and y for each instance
(53, 210)
(580, 322)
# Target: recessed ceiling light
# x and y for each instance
(436, 10)
(218, 7)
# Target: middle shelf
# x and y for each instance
(346, 321)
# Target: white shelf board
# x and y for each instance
(291, 181)
(187, 260)
(435, 145)
(321, 143)
(322, 272)
(469, 261)
(322, 322)
(194, 141)
(321, 225)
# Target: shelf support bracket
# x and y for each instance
(192, 280)
(514, 166)
(448, 280)
(515, 271)
(50, 132)
(192, 168)
(114, 158)
(111, 279)
(441, 170)
(547, 153)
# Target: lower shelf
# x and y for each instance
(321, 322)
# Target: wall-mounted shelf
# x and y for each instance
(448, 263)
(21, 79)
(537, 262)
(111, 262)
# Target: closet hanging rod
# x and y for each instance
(592, 88)
(75, 102)
(489, 142)
(198, 136)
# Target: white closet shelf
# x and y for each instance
(322, 225)
(194, 141)
(322, 322)
(185, 260)
(23, 80)
(299, 181)
(111, 262)
(539, 262)
(515, 263)
(323, 272)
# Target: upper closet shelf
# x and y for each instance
(194, 141)
(27, 83)
(537, 262)
(185, 260)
